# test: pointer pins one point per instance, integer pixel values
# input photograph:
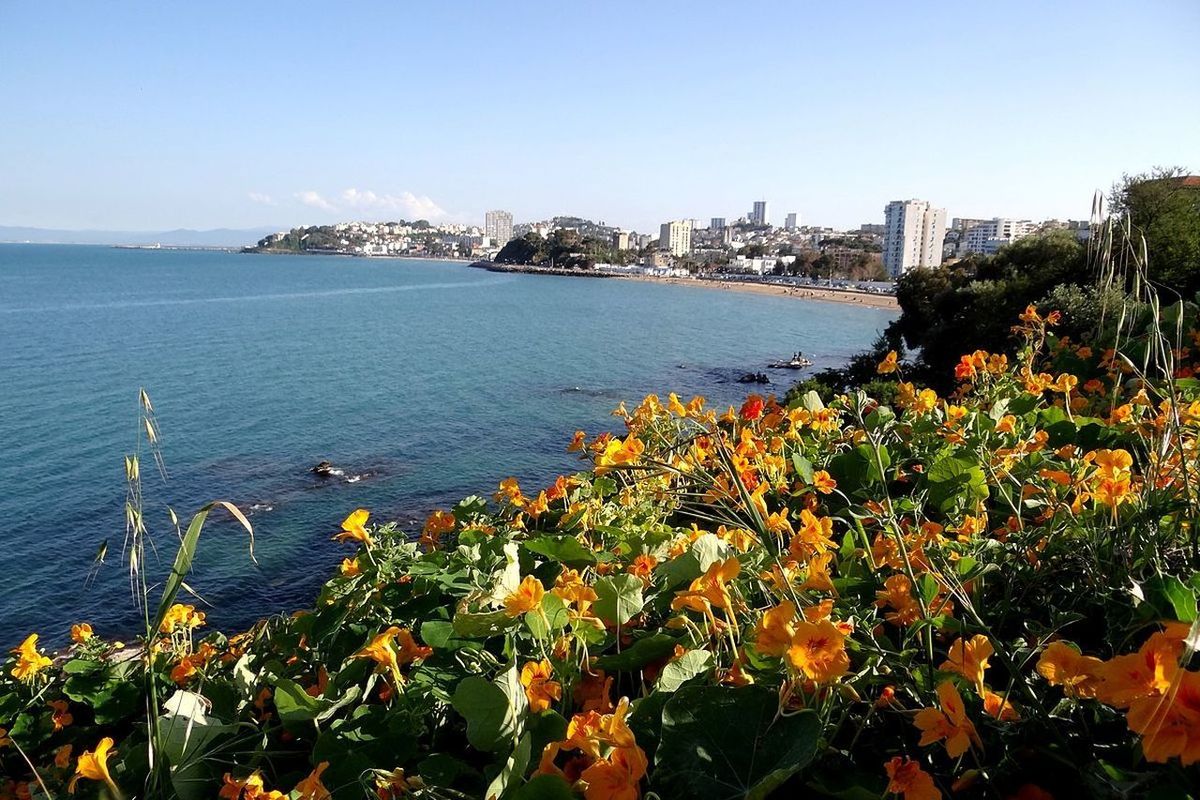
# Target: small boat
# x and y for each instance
(798, 361)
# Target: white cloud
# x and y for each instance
(406, 204)
(364, 202)
(311, 198)
(262, 199)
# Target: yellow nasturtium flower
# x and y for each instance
(81, 633)
(889, 363)
(527, 597)
(539, 688)
(969, 658)
(93, 766)
(29, 660)
(180, 616)
(354, 527)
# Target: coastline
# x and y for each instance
(820, 293)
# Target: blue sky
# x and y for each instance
(147, 116)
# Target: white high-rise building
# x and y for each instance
(760, 215)
(913, 236)
(676, 237)
(498, 227)
(792, 221)
(989, 236)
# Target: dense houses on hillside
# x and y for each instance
(914, 234)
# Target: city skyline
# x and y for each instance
(131, 118)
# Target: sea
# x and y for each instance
(421, 381)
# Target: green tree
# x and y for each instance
(1163, 207)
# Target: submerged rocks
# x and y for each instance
(754, 377)
(323, 469)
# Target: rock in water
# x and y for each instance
(323, 469)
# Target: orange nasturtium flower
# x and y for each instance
(969, 658)
(752, 409)
(1062, 665)
(999, 707)
(616, 777)
(93, 766)
(539, 688)
(818, 651)
(243, 789)
(889, 363)
(30, 661)
(823, 482)
(619, 453)
(354, 527)
(577, 442)
(527, 597)
(710, 589)
(311, 787)
(948, 722)
(383, 651)
(1168, 725)
(81, 633)
(1150, 672)
(774, 631)
(906, 778)
(62, 716)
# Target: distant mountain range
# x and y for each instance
(180, 237)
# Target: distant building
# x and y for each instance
(872, 228)
(676, 237)
(717, 224)
(988, 237)
(760, 215)
(792, 221)
(620, 240)
(913, 236)
(498, 227)
(965, 224)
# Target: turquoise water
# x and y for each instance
(422, 381)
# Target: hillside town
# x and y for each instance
(913, 234)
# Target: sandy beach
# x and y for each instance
(799, 292)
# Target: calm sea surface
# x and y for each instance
(422, 381)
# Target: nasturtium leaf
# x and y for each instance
(683, 669)
(708, 549)
(618, 598)
(721, 743)
(294, 704)
(513, 768)
(545, 787)
(880, 418)
(487, 623)
(812, 401)
(493, 711)
(110, 692)
(185, 734)
(440, 635)
(441, 769)
(641, 652)
(1171, 597)
(803, 467)
(954, 478)
(552, 616)
(563, 549)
